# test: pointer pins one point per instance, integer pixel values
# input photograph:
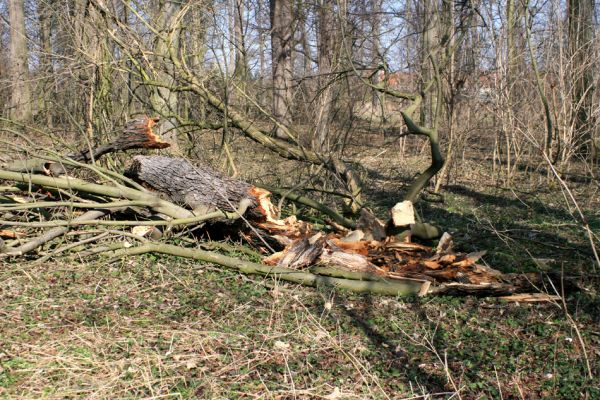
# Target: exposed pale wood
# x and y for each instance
(138, 134)
(372, 227)
(403, 214)
(303, 253)
(532, 298)
(347, 261)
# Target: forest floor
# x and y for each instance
(163, 327)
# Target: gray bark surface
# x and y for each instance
(197, 186)
(20, 101)
(282, 43)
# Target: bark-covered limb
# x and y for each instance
(71, 246)
(53, 233)
(340, 219)
(119, 191)
(391, 288)
(354, 275)
(482, 290)
(197, 186)
(437, 160)
(244, 204)
(138, 134)
(72, 204)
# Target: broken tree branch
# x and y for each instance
(157, 204)
(390, 288)
(340, 219)
(244, 204)
(33, 244)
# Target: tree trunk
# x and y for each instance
(325, 60)
(20, 98)
(45, 19)
(581, 32)
(428, 45)
(198, 187)
(241, 61)
(377, 58)
(163, 100)
(282, 36)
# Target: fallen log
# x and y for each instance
(205, 190)
(197, 187)
(137, 134)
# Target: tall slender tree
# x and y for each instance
(581, 35)
(325, 60)
(162, 98)
(282, 44)
(20, 98)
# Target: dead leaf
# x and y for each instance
(11, 234)
(431, 264)
(359, 247)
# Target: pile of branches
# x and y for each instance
(157, 198)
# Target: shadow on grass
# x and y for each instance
(501, 225)
(398, 358)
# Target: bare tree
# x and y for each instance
(20, 107)
(325, 60)
(581, 33)
(163, 99)
(282, 44)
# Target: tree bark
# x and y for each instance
(581, 31)
(198, 187)
(326, 33)
(138, 134)
(20, 98)
(282, 37)
(163, 99)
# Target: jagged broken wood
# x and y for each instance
(176, 192)
(137, 134)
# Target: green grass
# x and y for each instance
(169, 326)
(165, 327)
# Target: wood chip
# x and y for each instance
(11, 234)
(531, 298)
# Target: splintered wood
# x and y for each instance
(173, 189)
(390, 259)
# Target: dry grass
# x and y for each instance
(154, 328)
(83, 331)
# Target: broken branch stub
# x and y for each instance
(137, 134)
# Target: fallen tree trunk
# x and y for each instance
(198, 187)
